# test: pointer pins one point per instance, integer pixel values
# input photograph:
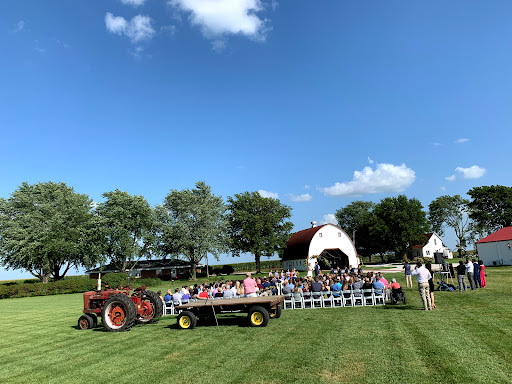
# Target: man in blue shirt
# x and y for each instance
(378, 285)
(336, 289)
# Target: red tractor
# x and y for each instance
(118, 309)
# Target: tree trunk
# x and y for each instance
(193, 263)
(257, 257)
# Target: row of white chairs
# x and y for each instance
(328, 299)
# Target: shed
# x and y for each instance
(496, 249)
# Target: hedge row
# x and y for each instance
(265, 265)
(69, 285)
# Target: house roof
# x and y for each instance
(427, 238)
(503, 234)
(147, 265)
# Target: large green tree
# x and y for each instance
(128, 228)
(192, 224)
(451, 212)
(400, 222)
(258, 225)
(47, 228)
(491, 207)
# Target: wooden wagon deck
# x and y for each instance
(265, 301)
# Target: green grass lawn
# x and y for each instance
(468, 339)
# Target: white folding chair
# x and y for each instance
(337, 299)
(307, 299)
(168, 309)
(379, 297)
(358, 298)
(288, 301)
(367, 297)
(327, 301)
(348, 299)
(298, 303)
(316, 300)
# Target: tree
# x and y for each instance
(358, 220)
(400, 222)
(192, 223)
(491, 207)
(128, 228)
(46, 227)
(258, 225)
(452, 212)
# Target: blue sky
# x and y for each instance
(318, 103)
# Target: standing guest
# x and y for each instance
(270, 274)
(482, 274)
(431, 284)
(408, 278)
(476, 267)
(470, 269)
(461, 276)
(360, 269)
(317, 269)
(250, 286)
(423, 276)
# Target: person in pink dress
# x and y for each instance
(482, 273)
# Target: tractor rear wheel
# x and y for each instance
(118, 313)
(187, 320)
(151, 308)
(85, 322)
(258, 316)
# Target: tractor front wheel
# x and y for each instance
(151, 308)
(187, 320)
(258, 316)
(94, 320)
(118, 313)
(85, 322)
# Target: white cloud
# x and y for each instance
(137, 29)
(223, 17)
(385, 178)
(460, 141)
(19, 26)
(370, 161)
(307, 187)
(272, 195)
(328, 219)
(443, 189)
(450, 178)
(134, 3)
(436, 144)
(473, 172)
(299, 198)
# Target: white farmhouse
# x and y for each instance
(432, 244)
(328, 240)
(496, 249)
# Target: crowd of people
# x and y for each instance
(288, 283)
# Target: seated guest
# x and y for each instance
(367, 285)
(176, 297)
(394, 284)
(378, 285)
(228, 293)
(204, 293)
(316, 288)
(168, 297)
(297, 294)
(383, 280)
(219, 293)
(336, 289)
(266, 284)
(357, 285)
(287, 290)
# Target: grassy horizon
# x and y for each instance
(467, 339)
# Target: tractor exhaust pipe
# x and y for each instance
(98, 288)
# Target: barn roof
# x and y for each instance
(297, 246)
(503, 234)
